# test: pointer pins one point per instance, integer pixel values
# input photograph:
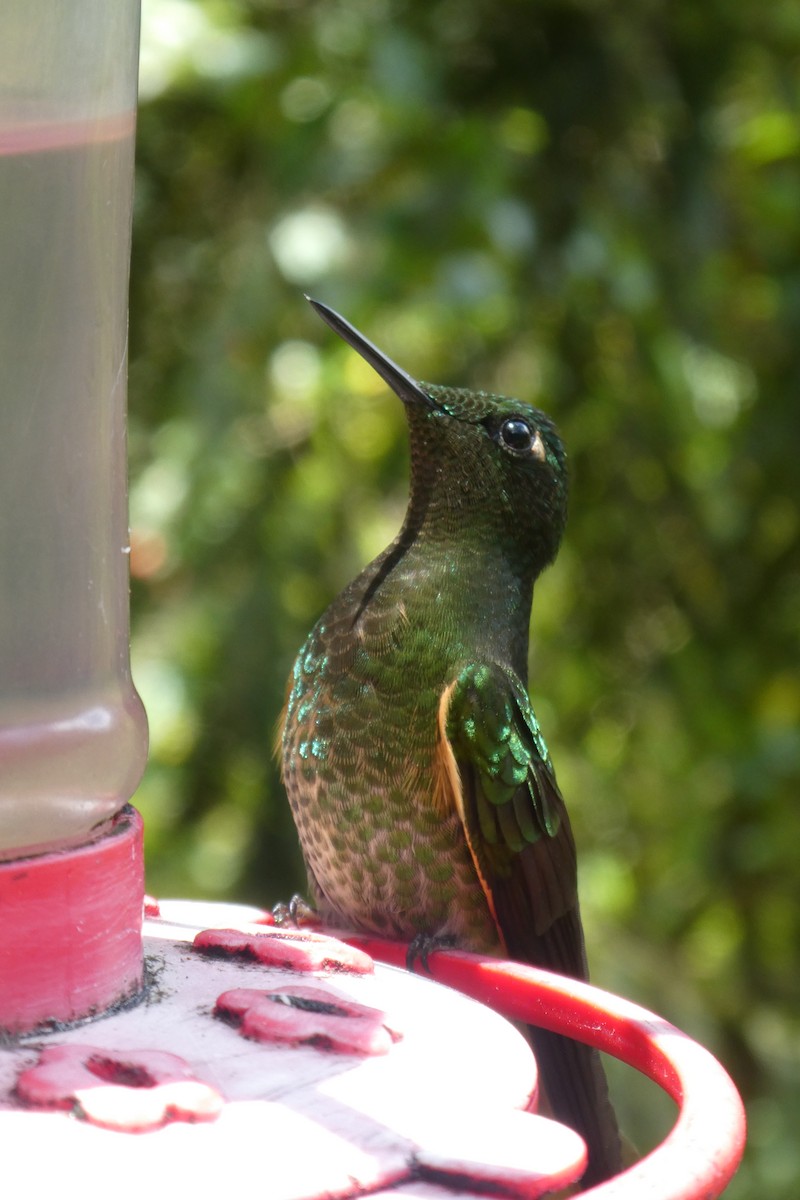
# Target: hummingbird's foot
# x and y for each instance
(423, 945)
(296, 914)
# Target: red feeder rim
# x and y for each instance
(699, 1156)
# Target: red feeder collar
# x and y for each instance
(71, 942)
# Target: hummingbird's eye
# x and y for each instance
(517, 436)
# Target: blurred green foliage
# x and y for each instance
(595, 206)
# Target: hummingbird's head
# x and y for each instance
(483, 466)
(499, 456)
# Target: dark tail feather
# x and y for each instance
(571, 1073)
(576, 1088)
(538, 915)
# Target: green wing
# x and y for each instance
(502, 783)
(513, 814)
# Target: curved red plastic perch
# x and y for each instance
(698, 1158)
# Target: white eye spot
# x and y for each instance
(537, 447)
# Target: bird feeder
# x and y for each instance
(301, 1065)
(73, 733)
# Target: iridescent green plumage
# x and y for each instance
(491, 725)
(421, 786)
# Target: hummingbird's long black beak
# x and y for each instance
(409, 391)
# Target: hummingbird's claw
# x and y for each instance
(423, 945)
(296, 914)
(280, 913)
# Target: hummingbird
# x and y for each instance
(421, 786)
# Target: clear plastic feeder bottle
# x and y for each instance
(73, 733)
